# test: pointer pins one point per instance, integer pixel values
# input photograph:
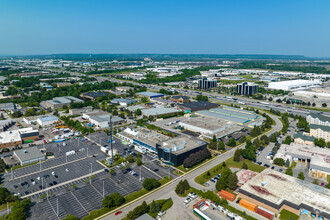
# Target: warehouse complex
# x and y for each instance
(275, 191)
(175, 150)
(318, 158)
(59, 102)
(292, 85)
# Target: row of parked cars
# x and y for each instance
(215, 179)
(191, 197)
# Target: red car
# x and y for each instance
(117, 213)
(322, 184)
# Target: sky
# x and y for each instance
(284, 27)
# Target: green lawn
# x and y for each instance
(203, 178)
(252, 166)
(4, 205)
(285, 215)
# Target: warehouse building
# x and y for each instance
(175, 150)
(247, 88)
(7, 106)
(101, 119)
(80, 111)
(10, 138)
(317, 158)
(209, 126)
(59, 102)
(47, 120)
(29, 155)
(94, 95)
(318, 119)
(320, 131)
(196, 106)
(180, 99)
(237, 115)
(159, 111)
(150, 95)
(123, 102)
(292, 85)
(275, 191)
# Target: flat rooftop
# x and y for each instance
(181, 144)
(9, 136)
(280, 187)
(150, 137)
(159, 111)
(27, 154)
(231, 114)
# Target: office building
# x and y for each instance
(175, 150)
(292, 85)
(207, 83)
(247, 88)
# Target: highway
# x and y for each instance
(169, 189)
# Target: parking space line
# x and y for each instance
(53, 209)
(79, 202)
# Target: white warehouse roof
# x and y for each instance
(294, 84)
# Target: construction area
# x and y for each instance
(275, 191)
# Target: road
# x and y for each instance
(164, 192)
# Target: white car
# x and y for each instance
(38, 178)
(53, 173)
(187, 201)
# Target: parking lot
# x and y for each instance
(88, 197)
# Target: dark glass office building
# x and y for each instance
(247, 88)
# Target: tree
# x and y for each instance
(287, 163)
(154, 207)
(138, 161)
(19, 210)
(245, 166)
(196, 158)
(138, 112)
(70, 217)
(264, 139)
(17, 114)
(113, 200)
(289, 171)
(144, 100)
(242, 139)
(319, 142)
(221, 145)
(237, 155)
(232, 181)
(2, 165)
(222, 183)
(316, 181)
(130, 159)
(2, 117)
(324, 105)
(279, 161)
(182, 186)
(232, 142)
(301, 176)
(288, 140)
(150, 184)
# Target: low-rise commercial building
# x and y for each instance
(101, 119)
(10, 138)
(159, 111)
(29, 155)
(275, 191)
(320, 131)
(301, 138)
(28, 133)
(318, 119)
(80, 111)
(175, 150)
(123, 102)
(94, 95)
(7, 106)
(180, 99)
(47, 120)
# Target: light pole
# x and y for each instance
(12, 174)
(87, 152)
(40, 164)
(57, 206)
(42, 183)
(90, 179)
(103, 189)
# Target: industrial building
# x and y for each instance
(175, 150)
(209, 126)
(80, 111)
(159, 111)
(10, 138)
(150, 94)
(59, 102)
(7, 106)
(237, 115)
(275, 191)
(123, 102)
(247, 88)
(320, 131)
(29, 155)
(28, 134)
(47, 120)
(196, 106)
(318, 119)
(292, 85)
(180, 99)
(317, 158)
(94, 95)
(206, 83)
(101, 119)
(143, 139)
